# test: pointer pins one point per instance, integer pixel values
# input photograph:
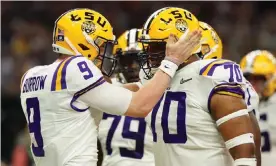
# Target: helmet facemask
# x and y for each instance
(105, 59)
(151, 56)
(129, 65)
(154, 51)
(126, 51)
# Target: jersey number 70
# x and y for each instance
(181, 135)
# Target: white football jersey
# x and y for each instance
(125, 141)
(251, 99)
(268, 130)
(63, 128)
(184, 132)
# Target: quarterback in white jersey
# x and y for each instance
(63, 102)
(126, 141)
(202, 116)
(49, 97)
(259, 67)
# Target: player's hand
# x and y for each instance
(181, 50)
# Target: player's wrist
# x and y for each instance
(168, 67)
(173, 60)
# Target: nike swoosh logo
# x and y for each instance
(166, 66)
(182, 81)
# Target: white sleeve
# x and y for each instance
(222, 77)
(108, 98)
(85, 82)
(81, 73)
(228, 79)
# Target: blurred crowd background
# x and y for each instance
(26, 38)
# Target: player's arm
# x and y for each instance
(134, 87)
(115, 99)
(118, 100)
(144, 99)
(234, 123)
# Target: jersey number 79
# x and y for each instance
(127, 134)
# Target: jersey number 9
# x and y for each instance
(85, 69)
(33, 112)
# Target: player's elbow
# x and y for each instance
(140, 106)
(144, 111)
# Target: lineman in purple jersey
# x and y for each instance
(63, 102)
(202, 118)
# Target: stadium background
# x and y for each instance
(26, 36)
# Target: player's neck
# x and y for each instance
(192, 59)
(61, 57)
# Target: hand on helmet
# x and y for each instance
(179, 51)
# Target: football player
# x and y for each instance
(211, 48)
(126, 50)
(202, 116)
(63, 101)
(259, 67)
(126, 140)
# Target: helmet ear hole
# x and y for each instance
(89, 56)
(83, 47)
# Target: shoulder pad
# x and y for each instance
(75, 73)
(224, 70)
